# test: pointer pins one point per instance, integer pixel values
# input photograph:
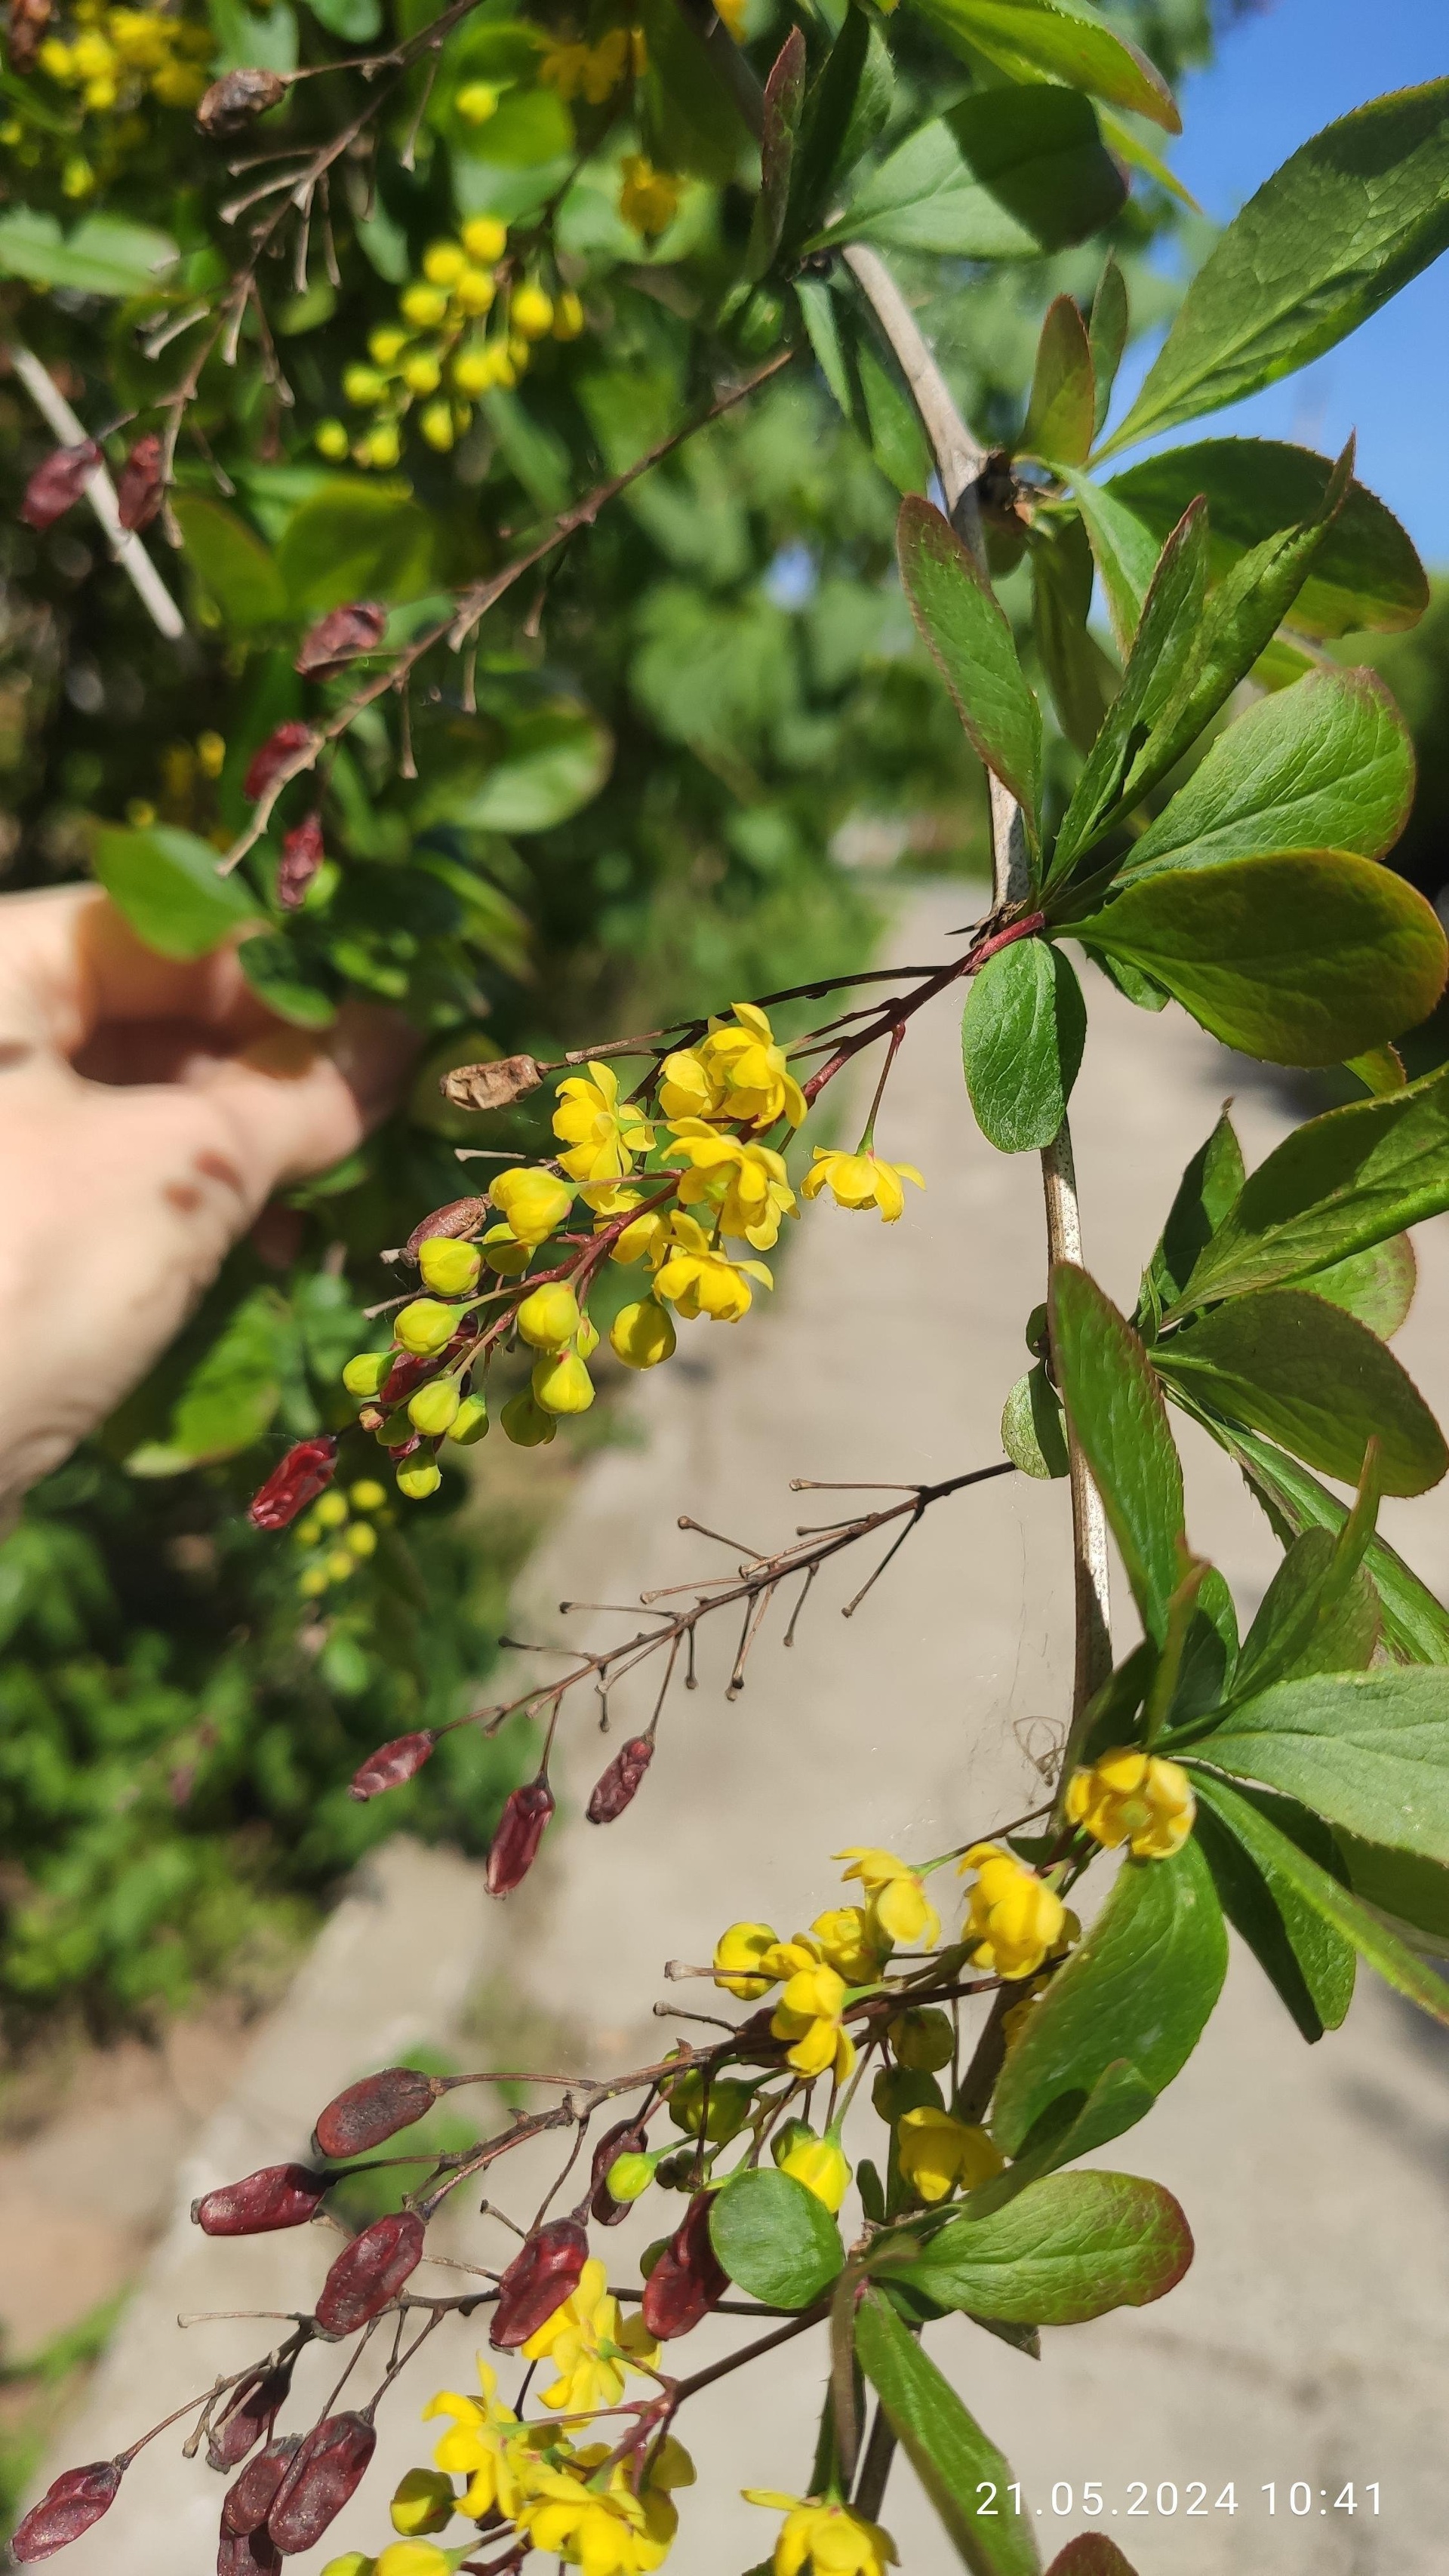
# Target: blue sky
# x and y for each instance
(1280, 77)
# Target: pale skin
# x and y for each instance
(148, 1112)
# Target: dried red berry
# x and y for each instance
(252, 2410)
(391, 1764)
(544, 2273)
(237, 97)
(249, 2499)
(688, 2279)
(370, 2271)
(303, 852)
(57, 484)
(278, 2196)
(615, 1788)
(339, 637)
(629, 2138)
(328, 2468)
(306, 1471)
(514, 1847)
(273, 757)
(139, 487)
(28, 22)
(76, 2499)
(461, 1217)
(247, 2553)
(374, 2109)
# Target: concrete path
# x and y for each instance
(1308, 2350)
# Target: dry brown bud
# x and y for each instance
(615, 1788)
(514, 1847)
(28, 22)
(369, 2272)
(57, 484)
(373, 2110)
(76, 2499)
(278, 2196)
(392, 1764)
(274, 756)
(338, 638)
(328, 2468)
(491, 1086)
(459, 1219)
(139, 487)
(237, 97)
(544, 2273)
(303, 852)
(688, 2279)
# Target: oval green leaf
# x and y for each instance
(1022, 1034)
(1071, 2247)
(230, 561)
(963, 2473)
(1365, 1750)
(971, 644)
(165, 882)
(775, 2239)
(357, 541)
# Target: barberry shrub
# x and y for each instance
(1207, 819)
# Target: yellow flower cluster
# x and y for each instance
(1136, 1799)
(1013, 1919)
(594, 72)
(116, 57)
(462, 329)
(590, 2347)
(738, 1071)
(845, 1947)
(648, 198)
(334, 1543)
(823, 2537)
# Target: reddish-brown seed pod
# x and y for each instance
(306, 1471)
(460, 1218)
(251, 2412)
(249, 2499)
(615, 1788)
(76, 2499)
(55, 487)
(237, 97)
(392, 1764)
(373, 2110)
(303, 852)
(544, 2273)
(247, 2553)
(514, 1847)
(328, 2468)
(630, 2138)
(369, 2272)
(688, 2279)
(28, 22)
(491, 1086)
(139, 487)
(272, 757)
(277, 2196)
(339, 637)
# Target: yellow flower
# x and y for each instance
(848, 1940)
(898, 1903)
(1013, 1919)
(747, 1184)
(648, 1238)
(808, 2012)
(485, 238)
(612, 2532)
(422, 2501)
(605, 1136)
(649, 198)
(860, 1181)
(700, 1281)
(826, 2538)
(819, 2163)
(532, 1203)
(738, 1954)
(736, 1071)
(938, 2153)
(486, 2445)
(1134, 1798)
(642, 1335)
(590, 2347)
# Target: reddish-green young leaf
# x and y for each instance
(1065, 2249)
(784, 98)
(1061, 415)
(1107, 334)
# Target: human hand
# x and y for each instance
(148, 1110)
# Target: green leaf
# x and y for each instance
(1416, 1626)
(531, 757)
(1307, 1962)
(847, 110)
(1366, 573)
(1320, 1613)
(1330, 237)
(1164, 641)
(963, 2473)
(775, 2239)
(357, 541)
(1033, 1433)
(1335, 1186)
(1325, 765)
(970, 642)
(1116, 1409)
(1061, 414)
(1022, 1034)
(1403, 1885)
(1079, 675)
(1066, 2249)
(1376, 1286)
(1067, 40)
(891, 422)
(1009, 174)
(1302, 958)
(266, 37)
(355, 21)
(230, 561)
(1140, 1986)
(1373, 1940)
(688, 102)
(1311, 1377)
(1204, 1195)
(1107, 337)
(822, 324)
(230, 1396)
(1125, 552)
(1366, 1750)
(278, 975)
(105, 255)
(784, 99)
(165, 882)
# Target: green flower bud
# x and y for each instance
(470, 1421)
(923, 2039)
(629, 2176)
(425, 1327)
(524, 1424)
(368, 1373)
(420, 1477)
(434, 1408)
(550, 1317)
(562, 1384)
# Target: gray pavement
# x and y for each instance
(1308, 2348)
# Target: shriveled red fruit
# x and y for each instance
(249, 2499)
(339, 637)
(615, 1788)
(56, 486)
(374, 2109)
(461, 1217)
(392, 1764)
(277, 2196)
(514, 1847)
(543, 2273)
(251, 2411)
(139, 487)
(28, 22)
(247, 2553)
(303, 852)
(688, 2279)
(306, 1471)
(273, 757)
(328, 2468)
(629, 2138)
(237, 97)
(69, 2506)
(370, 2271)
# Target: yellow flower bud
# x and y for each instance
(937, 2154)
(562, 1384)
(586, 1340)
(312, 1582)
(485, 239)
(211, 753)
(434, 1408)
(820, 2164)
(923, 2039)
(422, 2501)
(474, 291)
(339, 1565)
(444, 262)
(448, 1266)
(525, 1424)
(531, 312)
(421, 372)
(331, 1512)
(642, 1335)
(568, 315)
(386, 344)
(381, 448)
(368, 1373)
(1137, 1799)
(330, 440)
(549, 1317)
(418, 1478)
(362, 1539)
(476, 102)
(412, 2558)
(423, 306)
(436, 424)
(77, 178)
(473, 370)
(425, 1326)
(367, 1495)
(362, 385)
(737, 1956)
(352, 2562)
(629, 2176)
(533, 1203)
(520, 353)
(470, 1421)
